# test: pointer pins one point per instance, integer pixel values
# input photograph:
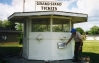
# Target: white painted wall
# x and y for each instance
(46, 49)
(60, 54)
(25, 48)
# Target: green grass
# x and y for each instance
(91, 41)
(7, 49)
(11, 45)
(91, 49)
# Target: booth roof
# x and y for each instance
(76, 17)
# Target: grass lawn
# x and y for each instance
(7, 49)
(90, 48)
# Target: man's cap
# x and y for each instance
(73, 30)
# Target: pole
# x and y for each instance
(23, 5)
(35, 5)
(23, 11)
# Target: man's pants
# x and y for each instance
(77, 52)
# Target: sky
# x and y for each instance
(90, 7)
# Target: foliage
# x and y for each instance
(57, 28)
(20, 38)
(7, 25)
(80, 30)
(94, 30)
(84, 37)
(10, 25)
(0, 23)
(40, 27)
(19, 26)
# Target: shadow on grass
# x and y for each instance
(9, 51)
(93, 56)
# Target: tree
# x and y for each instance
(0, 23)
(7, 25)
(94, 30)
(80, 30)
(19, 26)
(12, 25)
(87, 32)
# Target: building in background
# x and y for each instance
(9, 35)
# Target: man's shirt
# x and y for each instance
(77, 37)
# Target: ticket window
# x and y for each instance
(61, 25)
(41, 25)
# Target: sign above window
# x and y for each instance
(48, 6)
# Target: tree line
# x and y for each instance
(93, 30)
(7, 25)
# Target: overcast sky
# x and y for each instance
(90, 7)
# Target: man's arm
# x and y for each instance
(69, 39)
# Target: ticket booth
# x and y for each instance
(45, 33)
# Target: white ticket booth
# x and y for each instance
(45, 34)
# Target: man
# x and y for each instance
(78, 44)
